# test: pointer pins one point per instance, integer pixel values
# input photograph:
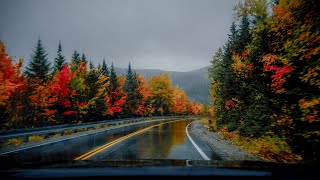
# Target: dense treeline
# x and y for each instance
(71, 92)
(265, 80)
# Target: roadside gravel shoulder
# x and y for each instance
(222, 147)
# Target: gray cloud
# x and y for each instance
(160, 34)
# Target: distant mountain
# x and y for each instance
(195, 83)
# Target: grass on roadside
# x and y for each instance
(9, 142)
(79, 130)
(68, 132)
(35, 138)
(268, 147)
(56, 135)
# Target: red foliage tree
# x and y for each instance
(59, 93)
(115, 99)
(10, 78)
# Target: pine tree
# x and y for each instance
(92, 92)
(39, 66)
(91, 66)
(114, 84)
(84, 58)
(244, 33)
(105, 70)
(229, 87)
(59, 61)
(130, 87)
(116, 98)
(75, 61)
(76, 57)
(257, 115)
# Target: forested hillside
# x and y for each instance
(265, 79)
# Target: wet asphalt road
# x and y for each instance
(166, 141)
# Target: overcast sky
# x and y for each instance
(179, 35)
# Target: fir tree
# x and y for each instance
(91, 66)
(92, 92)
(39, 66)
(84, 58)
(105, 70)
(114, 84)
(76, 57)
(130, 87)
(59, 61)
(244, 33)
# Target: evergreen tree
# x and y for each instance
(229, 87)
(130, 87)
(257, 112)
(244, 33)
(92, 92)
(114, 84)
(75, 57)
(232, 86)
(91, 66)
(75, 61)
(116, 97)
(83, 58)
(105, 70)
(59, 61)
(39, 66)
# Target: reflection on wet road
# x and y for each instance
(166, 141)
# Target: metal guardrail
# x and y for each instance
(49, 131)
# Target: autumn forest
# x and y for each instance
(58, 92)
(264, 85)
(265, 80)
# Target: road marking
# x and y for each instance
(59, 140)
(204, 156)
(105, 146)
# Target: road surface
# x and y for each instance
(157, 140)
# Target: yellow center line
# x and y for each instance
(105, 146)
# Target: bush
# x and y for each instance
(274, 148)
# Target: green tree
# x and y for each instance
(244, 33)
(79, 86)
(84, 58)
(229, 85)
(114, 84)
(130, 88)
(60, 60)
(104, 68)
(92, 97)
(75, 57)
(39, 66)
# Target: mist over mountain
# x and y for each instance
(195, 83)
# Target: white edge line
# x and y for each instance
(204, 156)
(59, 140)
